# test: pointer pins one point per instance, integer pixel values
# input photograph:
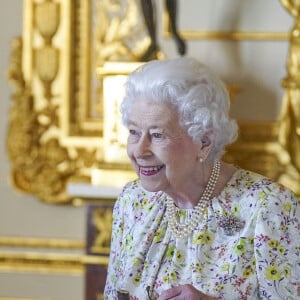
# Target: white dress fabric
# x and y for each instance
(260, 259)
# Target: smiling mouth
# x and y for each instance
(149, 171)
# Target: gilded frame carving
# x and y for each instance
(51, 121)
(56, 135)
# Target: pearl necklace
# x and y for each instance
(183, 229)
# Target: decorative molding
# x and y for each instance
(46, 243)
(235, 36)
(14, 298)
(229, 35)
(40, 258)
(13, 260)
(48, 263)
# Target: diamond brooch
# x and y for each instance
(230, 223)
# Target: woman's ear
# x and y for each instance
(204, 148)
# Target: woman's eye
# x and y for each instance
(134, 135)
(132, 132)
(156, 135)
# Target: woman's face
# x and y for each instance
(162, 153)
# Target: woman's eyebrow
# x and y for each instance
(130, 122)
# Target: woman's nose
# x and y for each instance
(143, 147)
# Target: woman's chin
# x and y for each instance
(150, 186)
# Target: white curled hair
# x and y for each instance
(200, 98)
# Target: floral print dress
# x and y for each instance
(258, 260)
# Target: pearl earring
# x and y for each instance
(201, 159)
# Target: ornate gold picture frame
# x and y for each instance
(63, 118)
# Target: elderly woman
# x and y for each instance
(192, 226)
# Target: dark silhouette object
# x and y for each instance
(149, 16)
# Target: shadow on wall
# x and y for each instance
(253, 98)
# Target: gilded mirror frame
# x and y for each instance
(57, 130)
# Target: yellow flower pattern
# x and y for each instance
(272, 273)
(202, 238)
(259, 261)
(239, 246)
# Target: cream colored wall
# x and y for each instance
(24, 216)
(256, 66)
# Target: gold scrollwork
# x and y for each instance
(46, 59)
(99, 296)
(102, 220)
(44, 166)
(47, 19)
(120, 31)
(289, 134)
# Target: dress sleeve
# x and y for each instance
(114, 265)
(277, 245)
